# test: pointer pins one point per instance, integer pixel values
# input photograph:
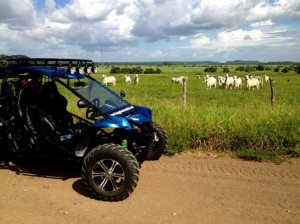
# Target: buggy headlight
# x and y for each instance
(87, 69)
(71, 70)
(94, 69)
(79, 70)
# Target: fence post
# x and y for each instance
(184, 92)
(272, 92)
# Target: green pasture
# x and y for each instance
(238, 121)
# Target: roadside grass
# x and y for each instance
(237, 121)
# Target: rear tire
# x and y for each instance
(110, 172)
(160, 146)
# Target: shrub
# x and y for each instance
(285, 70)
(260, 68)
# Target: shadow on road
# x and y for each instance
(41, 166)
(80, 188)
(45, 167)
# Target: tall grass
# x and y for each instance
(219, 119)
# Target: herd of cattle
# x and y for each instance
(111, 80)
(228, 82)
(234, 82)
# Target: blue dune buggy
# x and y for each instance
(54, 106)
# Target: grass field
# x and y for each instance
(239, 121)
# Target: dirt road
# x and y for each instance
(180, 189)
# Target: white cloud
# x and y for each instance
(240, 37)
(17, 14)
(157, 54)
(274, 9)
(263, 23)
(225, 39)
(50, 5)
(209, 25)
(232, 41)
(201, 40)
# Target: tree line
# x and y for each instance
(134, 70)
(248, 68)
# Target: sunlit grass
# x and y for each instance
(218, 119)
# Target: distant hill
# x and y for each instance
(240, 62)
(165, 63)
(236, 62)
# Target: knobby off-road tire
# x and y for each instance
(160, 145)
(110, 172)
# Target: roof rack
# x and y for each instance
(23, 60)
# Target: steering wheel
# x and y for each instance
(91, 113)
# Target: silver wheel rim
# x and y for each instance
(108, 175)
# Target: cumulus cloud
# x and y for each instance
(236, 38)
(231, 42)
(17, 14)
(263, 23)
(86, 25)
(274, 9)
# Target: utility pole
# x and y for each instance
(101, 59)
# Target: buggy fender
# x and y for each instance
(145, 111)
(138, 118)
(113, 122)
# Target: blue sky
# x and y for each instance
(152, 30)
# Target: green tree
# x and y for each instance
(115, 70)
(240, 68)
(149, 71)
(260, 68)
(211, 69)
(125, 70)
(158, 70)
(285, 70)
(276, 69)
(226, 69)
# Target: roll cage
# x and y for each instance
(69, 69)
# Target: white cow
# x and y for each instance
(229, 81)
(267, 78)
(108, 80)
(260, 79)
(127, 79)
(178, 79)
(237, 82)
(210, 81)
(136, 79)
(252, 82)
(221, 81)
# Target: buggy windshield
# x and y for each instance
(104, 99)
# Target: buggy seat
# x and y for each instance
(53, 104)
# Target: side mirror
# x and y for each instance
(79, 84)
(122, 93)
(82, 103)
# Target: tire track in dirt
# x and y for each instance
(223, 168)
(173, 190)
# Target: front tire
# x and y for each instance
(160, 145)
(111, 172)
